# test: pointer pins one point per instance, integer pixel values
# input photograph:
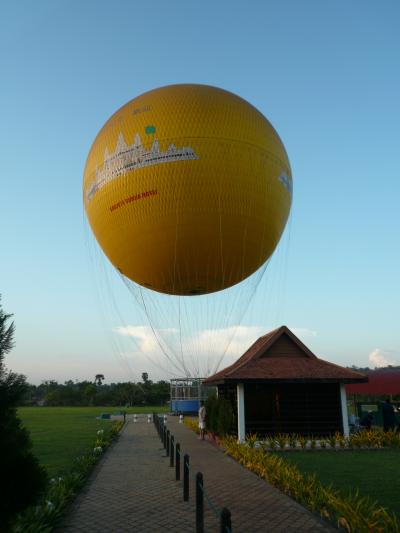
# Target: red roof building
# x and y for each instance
(381, 382)
(279, 386)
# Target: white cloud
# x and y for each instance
(380, 358)
(143, 335)
(233, 340)
(198, 353)
(303, 332)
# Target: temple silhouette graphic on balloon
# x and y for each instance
(130, 157)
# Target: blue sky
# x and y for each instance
(327, 76)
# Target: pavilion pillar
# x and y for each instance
(240, 413)
(345, 418)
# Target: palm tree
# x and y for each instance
(99, 378)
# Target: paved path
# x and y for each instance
(134, 489)
(131, 490)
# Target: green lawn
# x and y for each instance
(376, 473)
(60, 434)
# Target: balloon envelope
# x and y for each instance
(187, 189)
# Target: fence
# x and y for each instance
(174, 452)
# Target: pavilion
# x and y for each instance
(279, 386)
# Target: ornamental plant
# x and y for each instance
(353, 513)
(281, 439)
(332, 441)
(42, 517)
(392, 438)
(251, 439)
(192, 424)
(303, 441)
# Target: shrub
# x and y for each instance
(212, 413)
(21, 477)
(224, 417)
(219, 415)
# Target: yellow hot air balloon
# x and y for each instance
(187, 189)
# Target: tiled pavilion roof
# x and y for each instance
(281, 356)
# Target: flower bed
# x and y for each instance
(62, 489)
(373, 439)
(352, 513)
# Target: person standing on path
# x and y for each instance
(389, 419)
(202, 419)
(366, 421)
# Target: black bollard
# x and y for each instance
(165, 436)
(186, 478)
(178, 461)
(167, 447)
(171, 452)
(199, 503)
(225, 521)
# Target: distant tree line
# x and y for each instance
(88, 393)
(366, 369)
(92, 393)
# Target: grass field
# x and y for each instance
(376, 473)
(59, 434)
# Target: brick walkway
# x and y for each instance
(134, 489)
